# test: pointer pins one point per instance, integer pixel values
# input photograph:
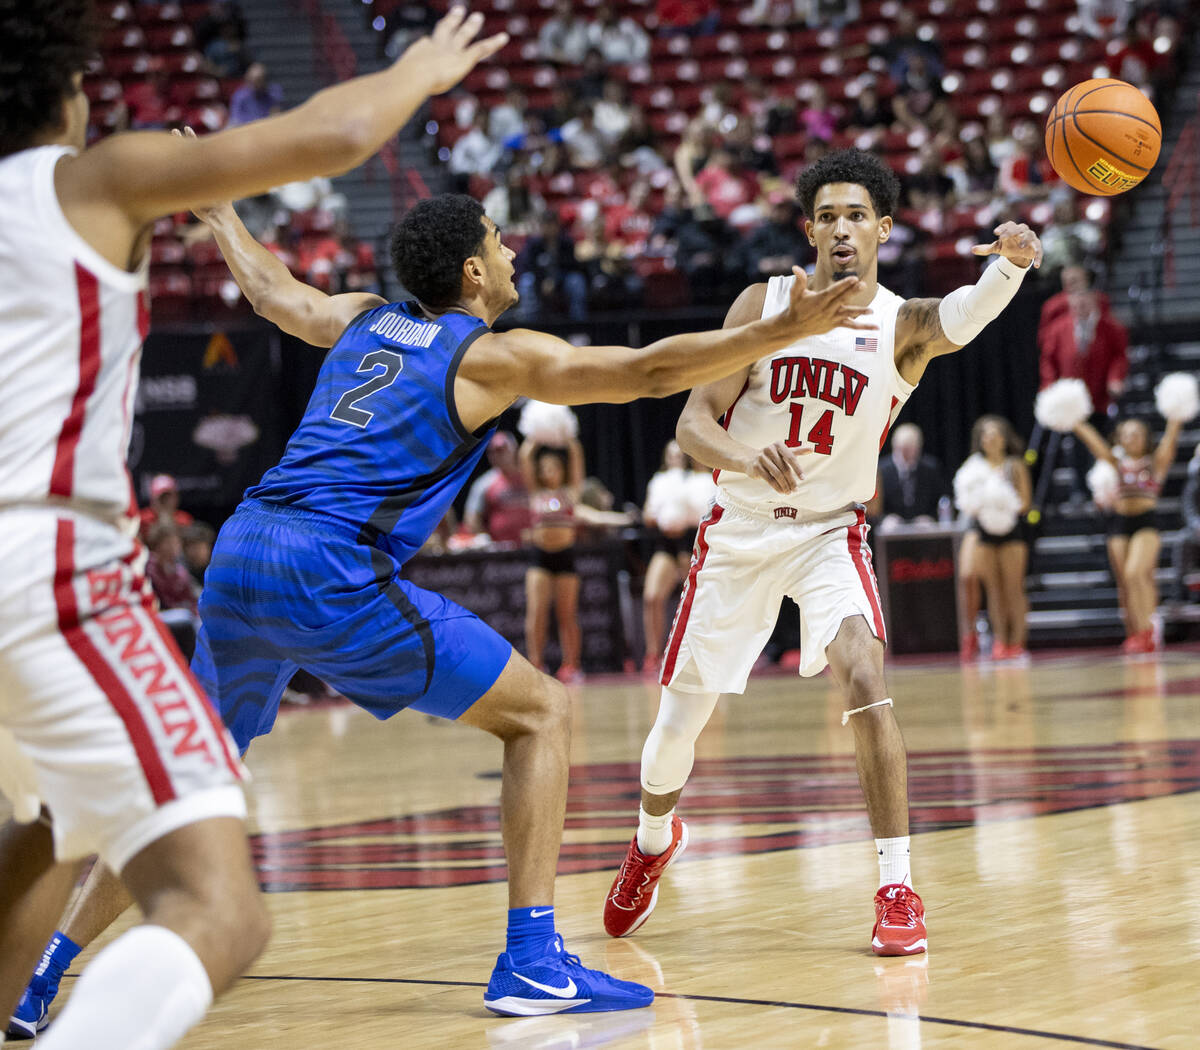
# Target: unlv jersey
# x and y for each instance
(835, 393)
(68, 364)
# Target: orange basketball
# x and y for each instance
(1103, 137)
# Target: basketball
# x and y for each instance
(1103, 137)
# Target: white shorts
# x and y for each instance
(745, 562)
(100, 719)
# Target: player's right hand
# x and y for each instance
(447, 54)
(814, 313)
(779, 466)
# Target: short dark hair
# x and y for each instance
(43, 44)
(431, 243)
(850, 165)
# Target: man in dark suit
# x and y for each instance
(910, 484)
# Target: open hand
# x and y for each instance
(814, 313)
(1016, 242)
(447, 54)
(778, 465)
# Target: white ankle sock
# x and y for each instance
(654, 833)
(893, 861)
(143, 992)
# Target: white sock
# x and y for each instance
(143, 992)
(893, 861)
(654, 833)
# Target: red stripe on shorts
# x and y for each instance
(63, 472)
(856, 534)
(105, 677)
(679, 627)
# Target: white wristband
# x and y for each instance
(966, 311)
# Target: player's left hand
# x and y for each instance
(207, 213)
(1016, 242)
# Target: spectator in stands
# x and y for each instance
(1001, 559)
(818, 118)
(1079, 338)
(508, 121)
(164, 506)
(561, 109)
(169, 577)
(1026, 172)
(929, 187)
(639, 147)
(904, 47)
(563, 37)
(725, 184)
(498, 500)
(474, 153)
(404, 24)
(833, 12)
(588, 84)
(198, 540)
(766, 111)
(586, 146)
(920, 98)
(775, 13)
(147, 101)
(226, 54)
(975, 175)
(257, 98)
(512, 205)
(610, 277)
(692, 17)
(911, 484)
(1069, 240)
(1001, 143)
(870, 112)
(775, 246)
(613, 112)
(618, 37)
(547, 269)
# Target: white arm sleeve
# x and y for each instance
(966, 311)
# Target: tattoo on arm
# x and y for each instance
(924, 325)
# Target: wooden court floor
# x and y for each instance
(1056, 844)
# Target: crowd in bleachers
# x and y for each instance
(660, 140)
(170, 65)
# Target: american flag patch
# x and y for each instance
(868, 343)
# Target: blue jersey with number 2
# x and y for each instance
(381, 446)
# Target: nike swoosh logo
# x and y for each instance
(566, 992)
(535, 914)
(1005, 276)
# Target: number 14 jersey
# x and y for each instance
(381, 445)
(836, 394)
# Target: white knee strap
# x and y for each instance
(885, 702)
(669, 752)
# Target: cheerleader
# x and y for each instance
(1133, 538)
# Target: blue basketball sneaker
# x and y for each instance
(33, 1011)
(556, 983)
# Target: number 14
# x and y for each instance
(821, 435)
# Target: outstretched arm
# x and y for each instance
(1164, 455)
(928, 328)
(294, 306)
(1096, 445)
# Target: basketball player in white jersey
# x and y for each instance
(107, 744)
(783, 523)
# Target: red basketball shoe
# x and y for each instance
(635, 889)
(899, 922)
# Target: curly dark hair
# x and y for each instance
(431, 243)
(43, 44)
(850, 165)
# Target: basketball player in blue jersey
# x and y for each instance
(307, 572)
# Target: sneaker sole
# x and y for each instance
(19, 1030)
(514, 1006)
(916, 948)
(683, 841)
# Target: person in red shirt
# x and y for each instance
(164, 506)
(725, 184)
(498, 502)
(694, 17)
(169, 577)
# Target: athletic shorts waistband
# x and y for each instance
(785, 513)
(314, 521)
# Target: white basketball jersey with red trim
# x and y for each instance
(71, 330)
(836, 393)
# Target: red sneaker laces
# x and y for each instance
(898, 909)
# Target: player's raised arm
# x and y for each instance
(149, 174)
(269, 286)
(928, 328)
(522, 362)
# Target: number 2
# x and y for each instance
(821, 435)
(347, 410)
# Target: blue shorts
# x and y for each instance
(289, 589)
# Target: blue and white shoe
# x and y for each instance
(33, 1011)
(556, 983)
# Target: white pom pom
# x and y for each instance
(668, 500)
(1001, 505)
(1103, 481)
(1177, 396)
(1062, 405)
(702, 489)
(548, 424)
(969, 482)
